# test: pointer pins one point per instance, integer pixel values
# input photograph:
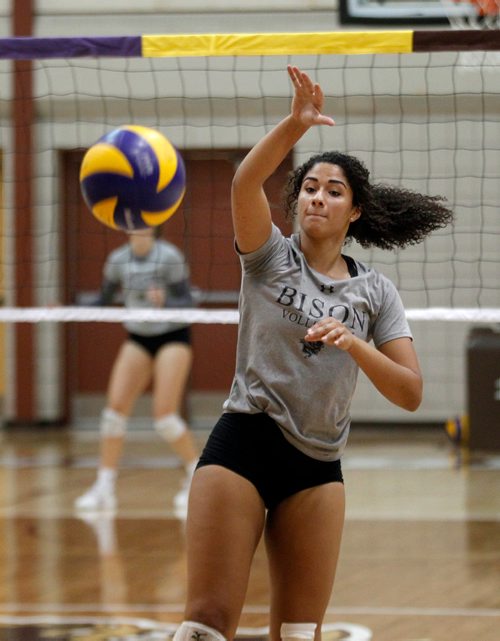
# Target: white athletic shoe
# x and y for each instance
(97, 499)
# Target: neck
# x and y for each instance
(325, 256)
(142, 247)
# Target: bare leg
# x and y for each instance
(171, 371)
(225, 522)
(303, 535)
(130, 375)
(129, 378)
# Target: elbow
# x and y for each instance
(412, 404)
(237, 191)
(413, 398)
(237, 182)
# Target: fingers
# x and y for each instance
(308, 97)
(156, 296)
(331, 332)
(300, 79)
(325, 120)
(292, 73)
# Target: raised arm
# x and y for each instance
(250, 207)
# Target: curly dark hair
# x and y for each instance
(390, 216)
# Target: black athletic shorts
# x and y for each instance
(253, 446)
(152, 344)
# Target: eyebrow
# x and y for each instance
(332, 180)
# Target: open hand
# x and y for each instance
(307, 102)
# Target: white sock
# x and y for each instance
(106, 478)
(106, 536)
(104, 530)
(192, 631)
(297, 631)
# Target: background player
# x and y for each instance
(151, 273)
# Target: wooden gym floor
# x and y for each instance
(420, 559)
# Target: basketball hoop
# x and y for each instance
(474, 14)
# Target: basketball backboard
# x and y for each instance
(403, 11)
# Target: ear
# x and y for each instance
(356, 213)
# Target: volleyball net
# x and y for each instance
(408, 103)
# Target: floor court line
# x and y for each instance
(250, 609)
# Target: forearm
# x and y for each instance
(266, 156)
(179, 295)
(398, 383)
(250, 208)
(106, 294)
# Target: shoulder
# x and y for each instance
(384, 293)
(274, 251)
(120, 254)
(167, 254)
(374, 277)
(377, 287)
(276, 238)
(168, 249)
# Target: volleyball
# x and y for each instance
(132, 178)
(457, 429)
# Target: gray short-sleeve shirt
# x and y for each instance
(164, 266)
(305, 387)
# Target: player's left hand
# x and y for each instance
(332, 332)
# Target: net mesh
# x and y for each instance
(419, 119)
(415, 119)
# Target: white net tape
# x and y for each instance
(212, 316)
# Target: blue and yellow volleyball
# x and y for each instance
(457, 429)
(133, 178)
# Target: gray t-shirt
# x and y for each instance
(305, 387)
(164, 266)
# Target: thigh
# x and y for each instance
(303, 535)
(171, 370)
(130, 376)
(224, 525)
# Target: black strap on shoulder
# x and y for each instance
(351, 265)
